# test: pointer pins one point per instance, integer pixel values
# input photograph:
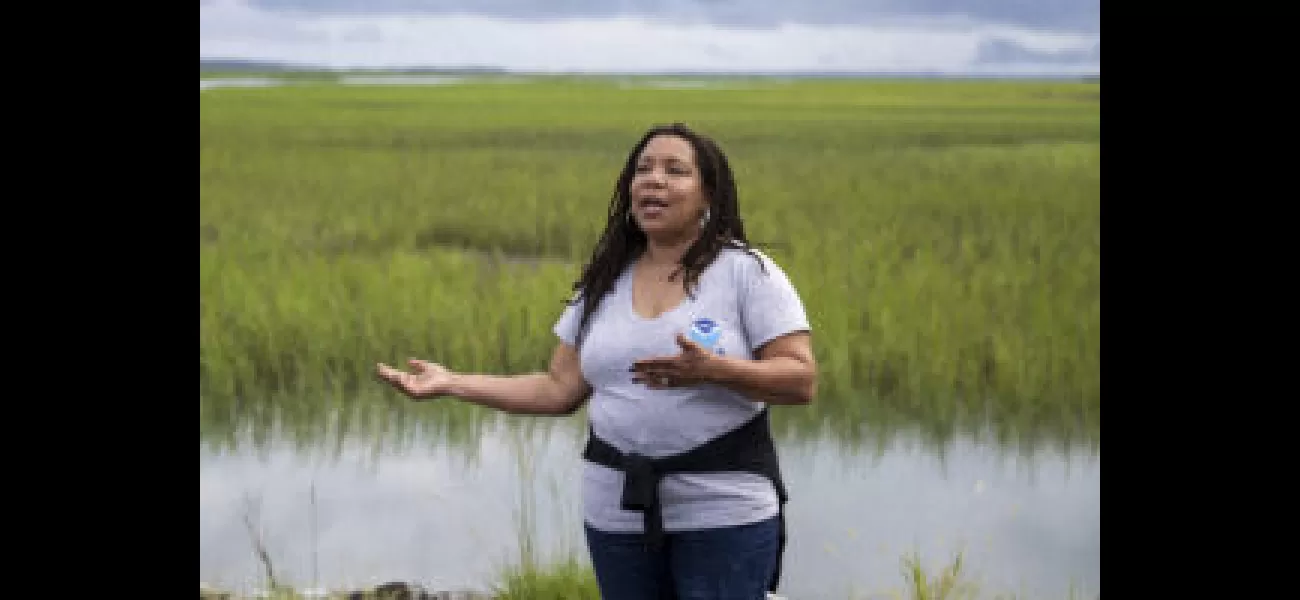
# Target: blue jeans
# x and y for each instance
(715, 564)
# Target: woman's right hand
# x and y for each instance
(427, 380)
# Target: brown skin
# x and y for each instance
(666, 171)
(557, 391)
(783, 372)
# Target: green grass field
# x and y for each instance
(945, 236)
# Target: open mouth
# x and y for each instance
(652, 207)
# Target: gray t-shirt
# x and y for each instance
(749, 308)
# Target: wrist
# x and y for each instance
(454, 386)
(722, 370)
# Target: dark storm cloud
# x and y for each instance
(1079, 16)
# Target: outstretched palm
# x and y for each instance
(427, 380)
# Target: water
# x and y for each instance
(399, 80)
(449, 516)
(251, 82)
(237, 82)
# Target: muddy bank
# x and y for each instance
(387, 591)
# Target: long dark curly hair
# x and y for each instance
(623, 241)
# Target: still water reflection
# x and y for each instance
(449, 517)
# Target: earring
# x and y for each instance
(705, 219)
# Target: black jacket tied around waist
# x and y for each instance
(748, 448)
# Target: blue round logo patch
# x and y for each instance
(705, 332)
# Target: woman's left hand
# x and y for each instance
(693, 366)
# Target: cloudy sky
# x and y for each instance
(630, 36)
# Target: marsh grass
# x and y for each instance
(567, 579)
(945, 236)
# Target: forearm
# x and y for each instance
(775, 380)
(533, 393)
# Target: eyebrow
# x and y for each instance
(669, 158)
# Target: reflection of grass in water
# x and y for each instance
(946, 236)
(561, 570)
(385, 423)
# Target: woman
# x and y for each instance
(680, 335)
